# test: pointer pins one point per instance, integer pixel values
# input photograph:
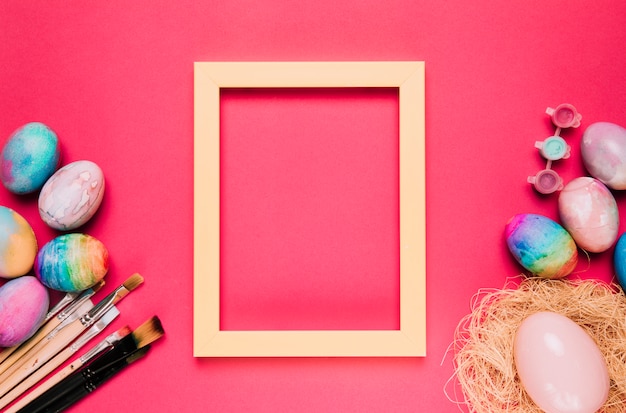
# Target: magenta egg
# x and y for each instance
(24, 303)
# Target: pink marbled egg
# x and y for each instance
(589, 213)
(24, 303)
(603, 149)
(72, 195)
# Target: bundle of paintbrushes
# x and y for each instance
(69, 326)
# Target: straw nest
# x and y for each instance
(483, 342)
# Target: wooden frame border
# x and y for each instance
(208, 339)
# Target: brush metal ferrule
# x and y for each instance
(105, 344)
(70, 311)
(67, 299)
(96, 328)
(103, 306)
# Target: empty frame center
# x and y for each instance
(309, 209)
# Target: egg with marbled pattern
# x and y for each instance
(24, 303)
(589, 212)
(72, 262)
(603, 149)
(29, 158)
(72, 195)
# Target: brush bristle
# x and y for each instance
(124, 331)
(148, 332)
(96, 287)
(133, 282)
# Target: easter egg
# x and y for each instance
(18, 245)
(541, 245)
(589, 212)
(24, 303)
(72, 195)
(72, 262)
(619, 261)
(559, 365)
(29, 158)
(603, 149)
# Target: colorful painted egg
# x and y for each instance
(72, 195)
(29, 158)
(72, 262)
(24, 303)
(619, 260)
(559, 365)
(541, 245)
(18, 245)
(603, 149)
(589, 212)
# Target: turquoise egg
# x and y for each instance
(619, 260)
(29, 158)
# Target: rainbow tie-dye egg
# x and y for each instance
(541, 245)
(72, 262)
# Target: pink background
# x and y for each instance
(114, 80)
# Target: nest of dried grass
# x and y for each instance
(483, 344)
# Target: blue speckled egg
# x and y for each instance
(29, 158)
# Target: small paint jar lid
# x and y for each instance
(546, 181)
(565, 116)
(553, 148)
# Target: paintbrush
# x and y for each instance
(78, 386)
(104, 345)
(58, 339)
(56, 387)
(59, 358)
(76, 300)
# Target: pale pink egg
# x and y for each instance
(560, 366)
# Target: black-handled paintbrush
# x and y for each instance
(86, 381)
(143, 336)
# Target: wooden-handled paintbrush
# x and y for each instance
(59, 358)
(58, 339)
(98, 357)
(76, 300)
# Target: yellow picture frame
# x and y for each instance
(410, 339)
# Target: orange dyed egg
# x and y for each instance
(18, 245)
